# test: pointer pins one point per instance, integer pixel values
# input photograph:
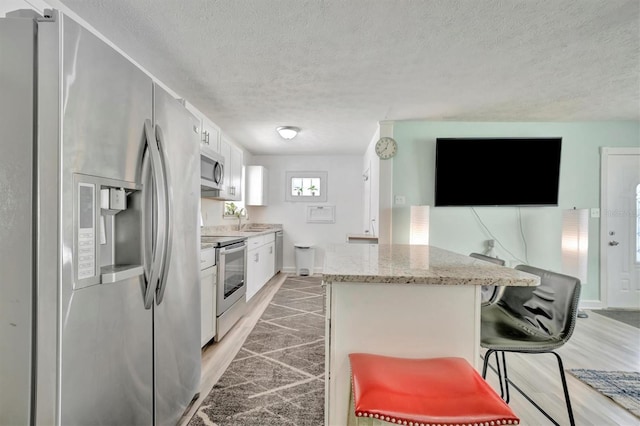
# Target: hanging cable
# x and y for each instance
(494, 237)
(524, 240)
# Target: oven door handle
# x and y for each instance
(225, 251)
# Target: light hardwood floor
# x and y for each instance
(216, 357)
(597, 343)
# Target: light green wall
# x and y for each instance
(459, 230)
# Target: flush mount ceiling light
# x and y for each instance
(288, 132)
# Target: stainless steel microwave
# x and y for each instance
(211, 170)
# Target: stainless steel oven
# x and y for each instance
(231, 274)
(232, 285)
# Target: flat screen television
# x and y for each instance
(497, 171)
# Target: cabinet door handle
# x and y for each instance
(270, 250)
(257, 257)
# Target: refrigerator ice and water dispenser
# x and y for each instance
(109, 242)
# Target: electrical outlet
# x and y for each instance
(595, 212)
(400, 199)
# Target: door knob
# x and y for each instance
(613, 243)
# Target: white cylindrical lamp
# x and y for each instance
(419, 225)
(575, 243)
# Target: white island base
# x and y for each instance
(405, 320)
(404, 301)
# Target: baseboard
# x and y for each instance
(292, 270)
(590, 304)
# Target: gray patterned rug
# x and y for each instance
(277, 377)
(626, 316)
(621, 386)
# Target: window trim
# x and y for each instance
(321, 197)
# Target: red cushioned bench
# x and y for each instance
(424, 392)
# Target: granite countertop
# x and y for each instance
(206, 246)
(233, 233)
(404, 264)
(247, 230)
(361, 237)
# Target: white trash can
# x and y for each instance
(305, 256)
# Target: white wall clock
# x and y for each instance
(386, 148)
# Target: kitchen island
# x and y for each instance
(402, 300)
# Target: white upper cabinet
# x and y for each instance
(257, 186)
(209, 131)
(233, 158)
(210, 135)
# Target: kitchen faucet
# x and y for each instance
(239, 214)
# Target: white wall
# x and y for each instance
(344, 191)
(385, 202)
(211, 211)
(371, 195)
(523, 235)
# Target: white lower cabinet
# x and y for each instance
(268, 261)
(208, 278)
(260, 262)
(253, 259)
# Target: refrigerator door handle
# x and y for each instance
(158, 244)
(148, 212)
(166, 185)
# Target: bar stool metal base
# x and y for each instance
(504, 381)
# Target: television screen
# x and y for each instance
(497, 171)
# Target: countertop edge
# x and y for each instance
(247, 234)
(366, 279)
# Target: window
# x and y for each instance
(306, 186)
(234, 208)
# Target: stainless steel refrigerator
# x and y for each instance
(99, 269)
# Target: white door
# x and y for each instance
(620, 238)
(366, 194)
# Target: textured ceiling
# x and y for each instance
(335, 68)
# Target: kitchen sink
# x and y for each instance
(250, 228)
